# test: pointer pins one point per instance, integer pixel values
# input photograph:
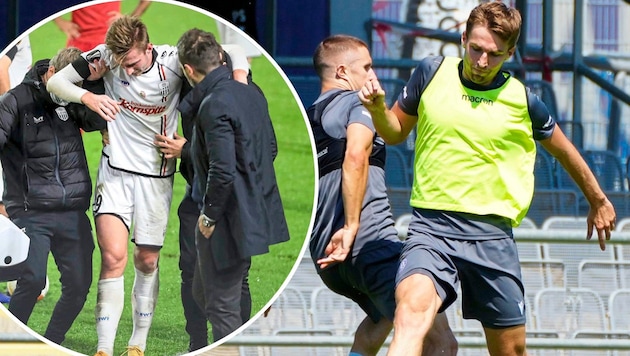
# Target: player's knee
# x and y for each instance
(111, 262)
(509, 341)
(146, 263)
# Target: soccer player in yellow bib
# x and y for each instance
(477, 129)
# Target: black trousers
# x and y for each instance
(68, 235)
(224, 293)
(196, 322)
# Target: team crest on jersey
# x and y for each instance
(143, 94)
(62, 113)
(164, 88)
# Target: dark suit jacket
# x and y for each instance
(233, 149)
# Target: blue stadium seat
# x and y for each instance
(549, 199)
(606, 165)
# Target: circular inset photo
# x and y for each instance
(162, 166)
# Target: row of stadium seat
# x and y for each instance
(595, 305)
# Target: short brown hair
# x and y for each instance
(64, 57)
(124, 34)
(331, 47)
(500, 19)
(200, 50)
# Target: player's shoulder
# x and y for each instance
(101, 51)
(166, 53)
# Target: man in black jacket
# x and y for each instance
(233, 148)
(188, 213)
(48, 190)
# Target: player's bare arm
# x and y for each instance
(354, 178)
(392, 125)
(62, 84)
(601, 214)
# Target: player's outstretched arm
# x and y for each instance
(601, 215)
(392, 125)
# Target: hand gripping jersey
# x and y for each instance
(148, 104)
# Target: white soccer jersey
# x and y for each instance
(148, 104)
(21, 63)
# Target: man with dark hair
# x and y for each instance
(476, 132)
(233, 148)
(49, 190)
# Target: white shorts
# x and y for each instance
(139, 201)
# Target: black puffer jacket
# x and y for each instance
(41, 148)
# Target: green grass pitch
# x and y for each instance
(294, 168)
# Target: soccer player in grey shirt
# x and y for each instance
(354, 244)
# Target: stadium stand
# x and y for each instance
(619, 309)
(569, 310)
(604, 276)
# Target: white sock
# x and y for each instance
(110, 301)
(143, 299)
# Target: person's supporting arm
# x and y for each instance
(87, 119)
(8, 118)
(176, 147)
(62, 85)
(240, 65)
(8, 122)
(221, 152)
(5, 62)
(354, 176)
(602, 213)
(392, 125)
(5, 80)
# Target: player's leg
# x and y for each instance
(152, 200)
(112, 216)
(506, 341)
(112, 235)
(33, 278)
(370, 336)
(440, 339)
(144, 293)
(493, 293)
(370, 285)
(417, 303)
(196, 322)
(246, 297)
(426, 283)
(72, 248)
